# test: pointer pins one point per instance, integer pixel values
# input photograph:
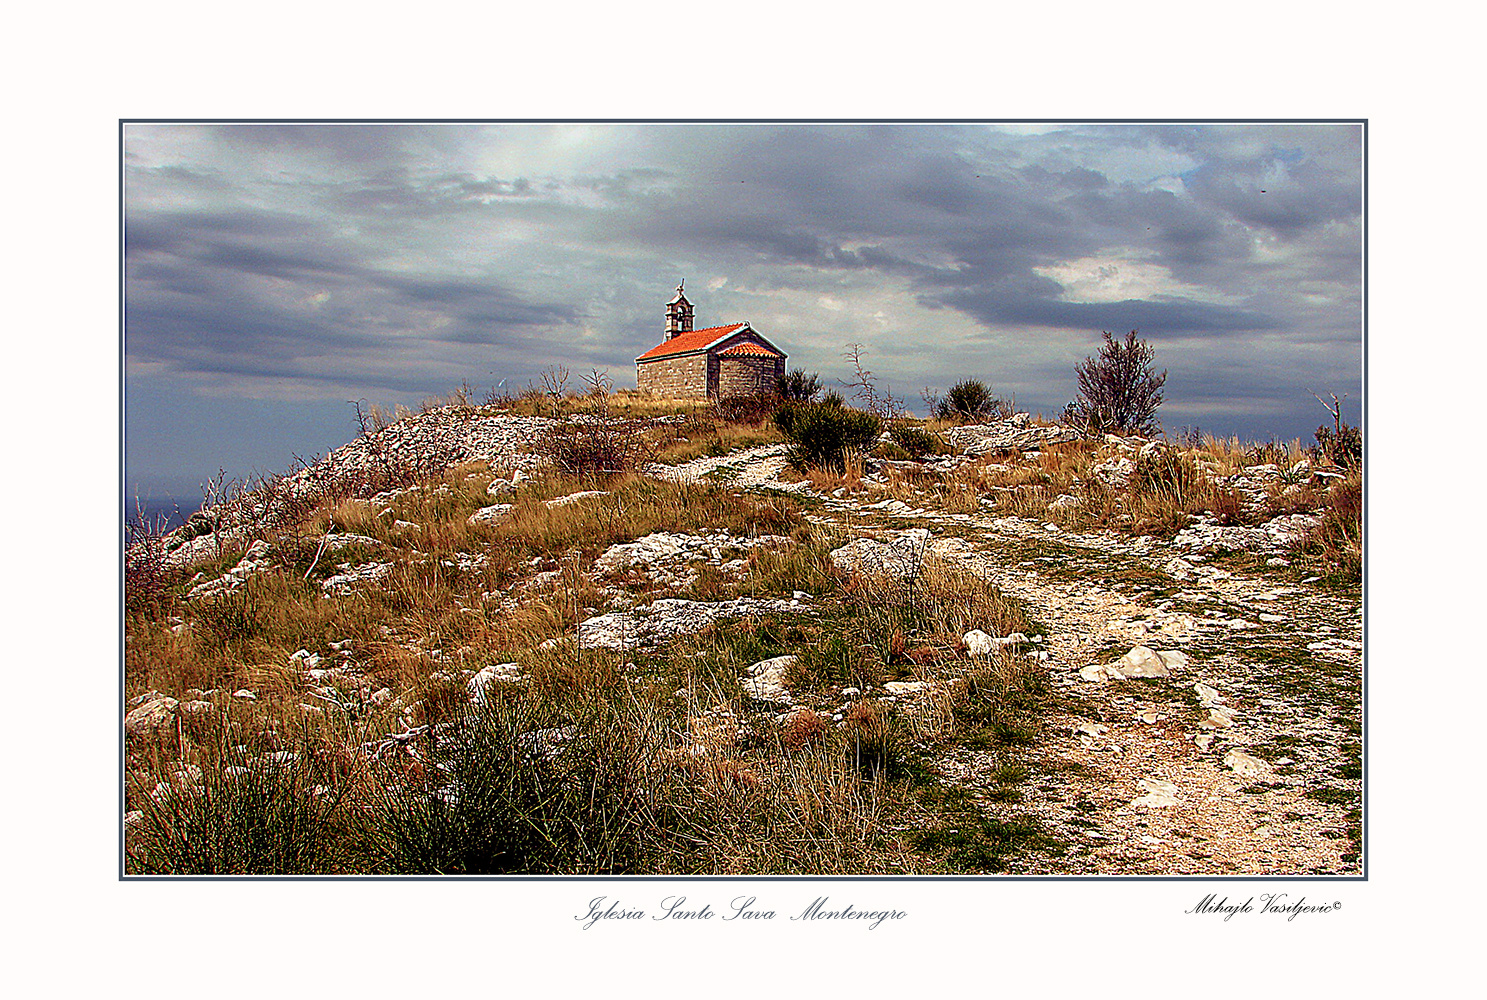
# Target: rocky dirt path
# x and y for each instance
(1246, 759)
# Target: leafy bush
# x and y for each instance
(969, 401)
(915, 440)
(826, 435)
(1118, 390)
(798, 387)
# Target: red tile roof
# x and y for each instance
(695, 340)
(748, 348)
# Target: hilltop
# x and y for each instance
(1024, 649)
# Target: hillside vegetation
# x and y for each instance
(597, 633)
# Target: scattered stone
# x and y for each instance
(346, 581)
(900, 557)
(1100, 672)
(1207, 536)
(257, 559)
(346, 540)
(491, 676)
(1144, 662)
(904, 687)
(978, 643)
(140, 699)
(1218, 718)
(662, 554)
(574, 498)
(489, 515)
(1114, 473)
(1178, 568)
(153, 719)
(1289, 530)
(1139, 662)
(1207, 697)
(1007, 435)
(1159, 794)
(304, 659)
(668, 619)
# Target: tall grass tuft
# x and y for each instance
(510, 790)
(243, 813)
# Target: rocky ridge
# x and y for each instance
(1209, 716)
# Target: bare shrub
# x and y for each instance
(597, 443)
(1118, 390)
(145, 578)
(875, 399)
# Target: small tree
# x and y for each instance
(1118, 390)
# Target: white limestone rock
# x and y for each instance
(899, 557)
(1159, 794)
(1114, 473)
(766, 680)
(1139, 662)
(1289, 530)
(493, 514)
(346, 581)
(1246, 765)
(1007, 435)
(493, 676)
(574, 498)
(904, 687)
(152, 719)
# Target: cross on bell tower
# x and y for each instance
(678, 314)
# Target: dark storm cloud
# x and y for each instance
(205, 295)
(389, 255)
(1160, 317)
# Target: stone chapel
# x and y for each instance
(715, 362)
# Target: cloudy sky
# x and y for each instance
(275, 272)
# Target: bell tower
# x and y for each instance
(678, 314)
